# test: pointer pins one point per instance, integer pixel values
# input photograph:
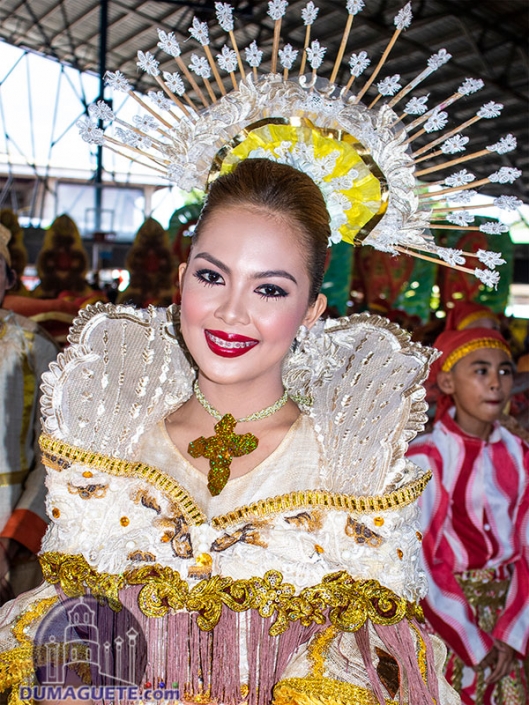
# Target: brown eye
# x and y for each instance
(208, 277)
(271, 291)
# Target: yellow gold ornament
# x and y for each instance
(225, 445)
(220, 450)
(352, 192)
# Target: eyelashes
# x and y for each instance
(271, 291)
(209, 277)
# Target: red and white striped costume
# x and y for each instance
(475, 515)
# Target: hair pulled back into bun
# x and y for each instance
(279, 190)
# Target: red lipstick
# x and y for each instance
(228, 344)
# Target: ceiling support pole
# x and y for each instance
(103, 27)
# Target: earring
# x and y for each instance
(302, 333)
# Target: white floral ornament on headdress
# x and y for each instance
(190, 141)
(351, 192)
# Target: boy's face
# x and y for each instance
(480, 385)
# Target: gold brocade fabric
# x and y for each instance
(487, 594)
(350, 603)
(16, 665)
(323, 691)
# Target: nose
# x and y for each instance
(494, 380)
(232, 309)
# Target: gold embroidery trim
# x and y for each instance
(56, 453)
(326, 500)
(346, 602)
(54, 450)
(315, 691)
(421, 652)
(16, 665)
(467, 348)
(318, 649)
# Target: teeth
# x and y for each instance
(229, 343)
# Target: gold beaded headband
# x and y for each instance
(464, 350)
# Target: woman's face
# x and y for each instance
(245, 292)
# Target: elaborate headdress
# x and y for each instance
(362, 155)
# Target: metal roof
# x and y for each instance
(487, 39)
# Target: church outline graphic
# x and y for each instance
(75, 650)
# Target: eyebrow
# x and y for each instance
(275, 273)
(258, 275)
(213, 260)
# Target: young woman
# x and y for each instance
(249, 507)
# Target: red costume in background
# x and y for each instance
(475, 520)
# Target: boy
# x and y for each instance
(475, 516)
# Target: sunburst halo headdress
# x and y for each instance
(360, 151)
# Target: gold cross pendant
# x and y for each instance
(220, 450)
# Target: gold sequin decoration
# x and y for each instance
(318, 650)
(87, 473)
(220, 449)
(378, 521)
(56, 513)
(203, 567)
(421, 652)
(319, 549)
(203, 697)
(315, 691)
(419, 535)
(124, 521)
(347, 603)
(400, 553)
(16, 665)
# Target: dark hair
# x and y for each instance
(280, 190)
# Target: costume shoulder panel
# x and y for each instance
(124, 371)
(360, 378)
